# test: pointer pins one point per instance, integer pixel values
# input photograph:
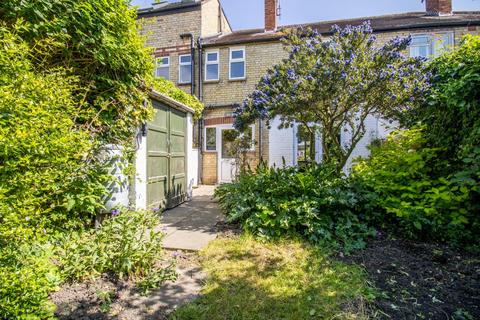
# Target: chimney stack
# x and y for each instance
(271, 16)
(439, 7)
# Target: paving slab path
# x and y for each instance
(191, 226)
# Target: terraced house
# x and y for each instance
(197, 49)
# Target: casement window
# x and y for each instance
(163, 68)
(185, 68)
(211, 139)
(305, 145)
(420, 46)
(431, 45)
(442, 42)
(212, 66)
(249, 135)
(237, 64)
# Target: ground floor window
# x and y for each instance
(305, 145)
(211, 139)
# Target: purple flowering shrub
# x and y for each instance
(332, 85)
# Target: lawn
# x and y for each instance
(248, 279)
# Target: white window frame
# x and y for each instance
(216, 62)
(434, 40)
(252, 143)
(180, 64)
(429, 44)
(163, 65)
(231, 60)
(205, 138)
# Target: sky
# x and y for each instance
(247, 14)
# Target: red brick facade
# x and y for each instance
(439, 7)
(271, 18)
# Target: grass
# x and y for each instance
(248, 279)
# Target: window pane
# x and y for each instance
(212, 57)
(212, 72)
(211, 139)
(237, 70)
(443, 42)
(228, 143)
(423, 51)
(185, 74)
(185, 59)
(237, 54)
(163, 61)
(305, 145)
(163, 72)
(420, 40)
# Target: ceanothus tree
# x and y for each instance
(330, 86)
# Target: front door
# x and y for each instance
(227, 155)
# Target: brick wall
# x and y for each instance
(439, 7)
(271, 19)
(163, 31)
(213, 19)
(209, 168)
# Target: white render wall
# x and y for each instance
(141, 173)
(283, 142)
(192, 158)
(281, 145)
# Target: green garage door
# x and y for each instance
(166, 157)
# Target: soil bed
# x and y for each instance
(110, 298)
(421, 281)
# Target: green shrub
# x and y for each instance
(311, 202)
(46, 180)
(398, 182)
(27, 276)
(124, 245)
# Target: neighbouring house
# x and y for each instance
(196, 48)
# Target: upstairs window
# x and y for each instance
(212, 66)
(163, 68)
(237, 64)
(185, 68)
(428, 45)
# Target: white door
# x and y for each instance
(227, 155)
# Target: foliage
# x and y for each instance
(452, 118)
(27, 276)
(168, 88)
(96, 41)
(333, 85)
(156, 277)
(248, 279)
(46, 180)
(311, 202)
(125, 245)
(397, 180)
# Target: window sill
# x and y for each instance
(184, 83)
(211, 81)
(237, 79)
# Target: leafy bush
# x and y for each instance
(311, 202)
(168, 88)
(98, 42)
(27, 276)
(397, 181)
(125, 245)
(45, 179)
